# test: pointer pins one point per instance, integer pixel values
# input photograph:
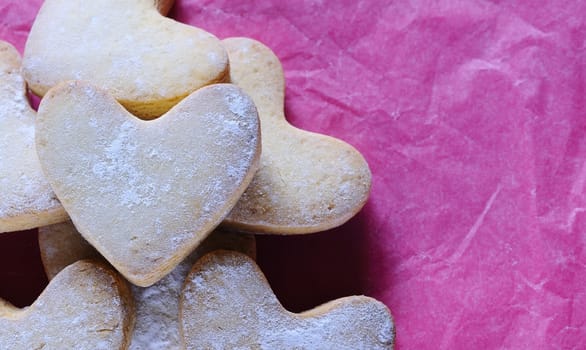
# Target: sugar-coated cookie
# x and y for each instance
(60, 245)
(157, 306)
(307, 182)
(26, 199)
(146, 193)
(87, 306)
(147, 61)
(228, 304)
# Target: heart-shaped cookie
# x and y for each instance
(307, 182)
(26, 199)
(157, 306)
(145, 193)
(228, 304)
(148, 62)
(86, 306)
(61, 245)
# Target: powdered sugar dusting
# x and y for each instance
(80, 309)
(156, 312)
(122, 46)
(157, 306)
(119, 161)
(14, 102)
(27, 199)
(239, 104)
(143, 192)
(307, 182)
(241, 312)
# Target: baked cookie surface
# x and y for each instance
(307, 182)
(228, 304)
(87, 306)
(146, 193)
(148, 62)
(26, 198)
(157, 306)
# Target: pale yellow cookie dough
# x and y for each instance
(26, 199)
(307, 182)
(146, 193)
(228, 304)
(87, 307)
(148, 62)
(157, 306)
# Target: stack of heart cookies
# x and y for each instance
(157, 152)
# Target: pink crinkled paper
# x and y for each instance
(472, 117)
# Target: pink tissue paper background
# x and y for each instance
(471, 114)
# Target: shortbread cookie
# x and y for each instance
(307, 182)
(157, 306)
(148, 62)
(228, 304)
(146, 193)
(26, 199)
(61, 245)
(87, 306)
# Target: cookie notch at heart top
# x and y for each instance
(307, 182)
(86, 306)
(148, 62)
(26, 198)
(146, 193)
(227, 303)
